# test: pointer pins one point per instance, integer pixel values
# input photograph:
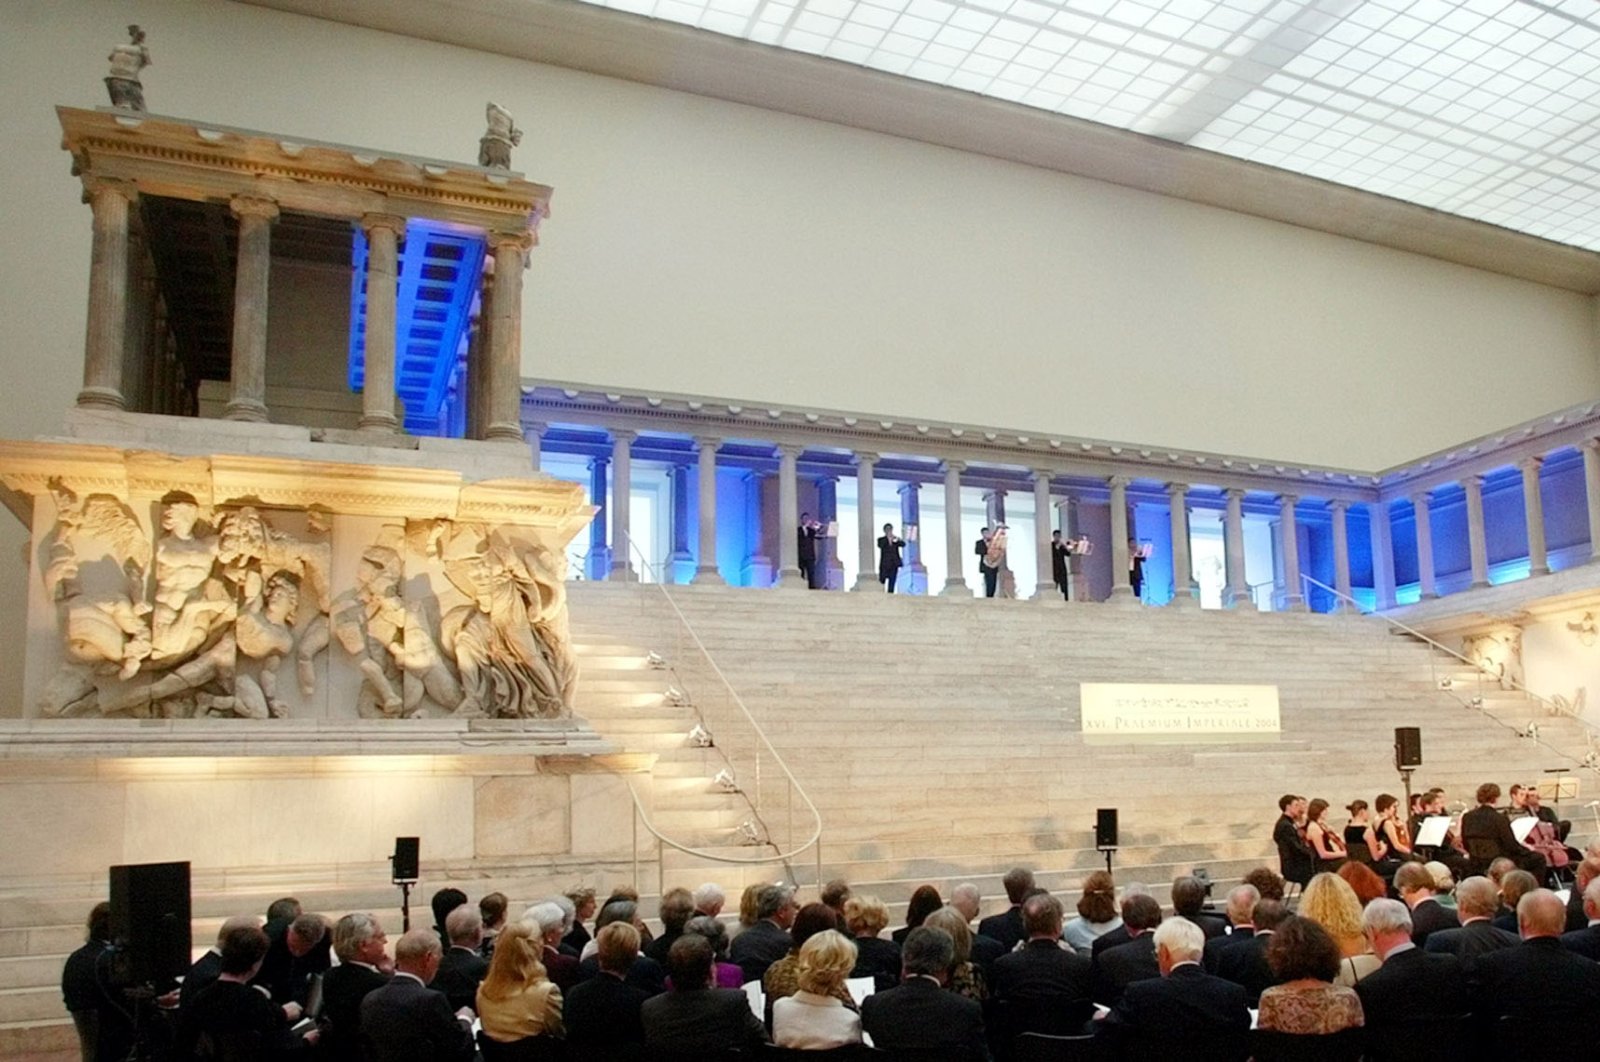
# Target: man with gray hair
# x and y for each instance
(1045, 987)
(1184, 1013)
(405, 1020)
(462, 969)
(1586, 941)
(549, 921)
(1477, 903)
(708, 899)
(364, 967)
(918, 1014)
(1241, 910)
(1006, 927)
(1540, 985)
(1412, 985)
(966, 899)
(768, 940)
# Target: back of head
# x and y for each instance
(812, 919)
(826, 960)
(928, 951)
(1184, 941)
(677, 907)
(99, 924)
(1188, 896)
(1284, 802)
(617, 945)
(1331, 903)
(1499, 867)
(284, 910)
(1540, 913)
(1268, 882)
(1588, 870)
(1242, 900)
(1515, 886)
(242, 949)
(445, 901)
(1300, 949)
(464, 926)
(1270, 914)
(1443, 882)
(1018, 882)
(1315, 809)
(1041, 916)
(749, 903)
(613, 911)
(1385, 916)
(492, 910)
(1098, 904)
(773, 899)
(1488, 793)
(689, 962)
(351, 933)
(1141, 912)
(835, 893)
(411, 951)
(953, 922)
(924, 901)
(1477, 897)
(545, 917)
(709, 897)
(228, 926)
(1412, 877)
(515, 963)
(712, 929)
(1364, 880)
(309, 930)
(865, 916)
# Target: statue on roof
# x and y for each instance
(494, 148)
(126, 62)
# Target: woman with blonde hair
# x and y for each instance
(814, 1019)
(1330, 902)
(966, 979)
(517, 1000)
(865, 917)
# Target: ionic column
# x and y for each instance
(536, 432)
(478, 345)
(505, 336)
(705, 571)
(599, 566)
(1121, 573)
(1476, 544)
(106, 332)
(1182, 571)
(681, 562)
(1289, 535)
(1533, 505)
(1382, 555)
(248, 373)
(383, 233)
(1591, 483)
(1425, 582)
(955, 583)
(866, 518)
(789, 577)
(1238, 589)
(827, 551)
(1341, 551)
(913, 573)
(1045, 587)
(622, 570)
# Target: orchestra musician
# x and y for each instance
(808, 532)
(1058, 564)
(1327, 845)
(991, 551)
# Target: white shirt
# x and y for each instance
(809, 1021)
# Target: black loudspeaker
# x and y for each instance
(405, 859)
(1105, 828)
(150, 921)
(1407, 748)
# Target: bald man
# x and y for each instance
(405, 1020)
(208, 966)
(1546, 990)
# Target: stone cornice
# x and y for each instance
(1570, 427)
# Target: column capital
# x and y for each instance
(793, 450)
(864, 457)
(623, 435)
(1045, 474)
(1118, 481)
(1177, 488)
(995, 492)
(1592, 445)
(957, 467)
(392, 222)
(1287, 501)
(599, 459)
(1420, 498)
(1338, 506)
(117, 186)
(1235, 493)
(537, 428)
(1531, 463)
(707, 442)
(825, 477)
(520, 240)
(250, 206)
(909, 486)
(1474, 482)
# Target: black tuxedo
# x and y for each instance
(405, 1021)
(1187, 1014)
(461, 971)
(889, 561)
(1411, 985)
(1244, 962)
(759, 947)
(702, 1019)
(1117, 968)
(1006, 927)
(1111, 938)
(343, 989)
(991, 576)
(921, 1015)
(1296, 861)
(878, 959)
(1585, 942)
(645, 974)
(1060, 571)
(1215, 945)
(657, 949)
(1471, 940)
(808, 554)
(1543, 987)
(1041, 969)
(1429, 917)
(603, 1012)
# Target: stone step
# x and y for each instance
(48, 1040)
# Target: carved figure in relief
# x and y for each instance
(502, 134)
(189, 603)
(265, 635)
(1498, 653)
(250, 550)
(94, 566)
(127, 60)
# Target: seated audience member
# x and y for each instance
(834, 895)
(918, 1014)
(1006, 927)
(1513, 887)
(749, 902)
(1588, 871)
(767, 941)
(1366, 883)
(444, 901)
(709, 900)
(1487, 834)
(629, 893)
(462, 969)
(645, 972)
(1244, 962)
(602, 1013)
(229, 1018)
(1185, 1012)
(1305, 1001)
(516, 999)
(782, 978)
(1410, 986)
(924, 901)
(208, 966)
(966, 977)
(405, 1020)
(1097, 913)
(1241, 907)
(876, 958)
(364, 967)
(1331, 903)
(293, 956)
(1117, 968)
(725, 974)
(814, 1018)
(492, 913)
(676, 908)
(1539, 988)
(1042, 971)
(1586, 941)
(966, 899)
(583, 903)
(694, 1017)
(1444, 883)
(547, 922)
(1267, 882)
(569, 922)
(1111, 938)
(1189, 901)
(104, 1031)
(1415, 886)
(1477, 900)
(1296, 861)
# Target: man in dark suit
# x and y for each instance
(1477, 900)
(405, 1020)
(675, 909)
(1006, 927)
(602, 1014)
(1586, 941)
(1184, 1013)
(358, 941)
(807, 535)
(1242, 900)
(1415, 886)
(1244, 962)
(1411, 985)
(991, 576)
(1539, 987)
(918, 1014)
(462, 969)
(1487, 834)
(1116, 968)
(208, 966)
(1296, 861)
(768, 940)
(1189, 901)
(1060, 568)
(969, 901)
(230, 1018)
(694, 1017)
(1045, 987)
(889, 559)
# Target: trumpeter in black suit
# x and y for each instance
(406, 1021)
(1060, 568)
(807, 534)
(991, 576)
(889, 559)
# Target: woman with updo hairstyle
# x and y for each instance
(1392, 827)
(749, 902)
(1330, 902)
(1306, 1002)
(783, 977)
(923, 903)
(725, 974)
(814, 1018)
(1324, 842)
(1097, 913)
(865, 917)
(966, 979)
(516, 999)
(1365, 845)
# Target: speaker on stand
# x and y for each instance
(1105, 833)
(404, 867)
(1407, 755)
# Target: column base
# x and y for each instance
(1238, 599)
(1122, 597)
(504, 433)
(956, 588)
(1543, 569)
(247, 409)
(791, 579)
(707, 575)
(867, 584)
(102, 398)
(1185, 602)
(1479, 584)
(622, 572)
(1045, 593)
(379, 423)
(1294, 603)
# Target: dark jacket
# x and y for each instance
(1006, 927)
(1471, 940)
(759, 947)
(645, 974)
(603, 1012)
(1542, 985)
(1244, 962)
(1186, 1014)
(461, 971)
(343, 989)
(919, 1014)
(701, 1019)
(1117, 968)
(1429, 917)
(405, 1021)
(1296, 861)
(1040, 969)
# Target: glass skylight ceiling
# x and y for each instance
(1484, 108)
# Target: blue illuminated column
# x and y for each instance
(757, 565)
(1341, 552)
(1538, 561)
(1121, 563)
(1238, 589)
(1425, 582)
(1182, 570)
(914, 573)
(1591, 482)
(1289, 547)
(536, 430)
(1477, 545)
(1382, 555)
(621, 488)
(829, 575)
(681, 561)
(789, 577)
(955, 583)
(866, 519)
(599, 565)
(705, 572)
(1044, 587)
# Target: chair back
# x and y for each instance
(1041, 1047)
(1423, 1038)
(1051, 1015)
(527, 1049)
(1269, 1045)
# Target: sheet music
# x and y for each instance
(860, 988)
(1431, 833)
(1520, 828)
(757, 998)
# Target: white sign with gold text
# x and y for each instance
(1169, 710)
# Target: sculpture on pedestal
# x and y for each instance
(502, 134)
(127, 60)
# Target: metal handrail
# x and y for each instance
(812, 842)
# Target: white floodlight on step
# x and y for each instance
(748, 833)
(1476, 702)
(1530, 732)
(1592, 761)
(700, 737)
(676, 697)
(725, 781)
(656, 661)
(1446, 683)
